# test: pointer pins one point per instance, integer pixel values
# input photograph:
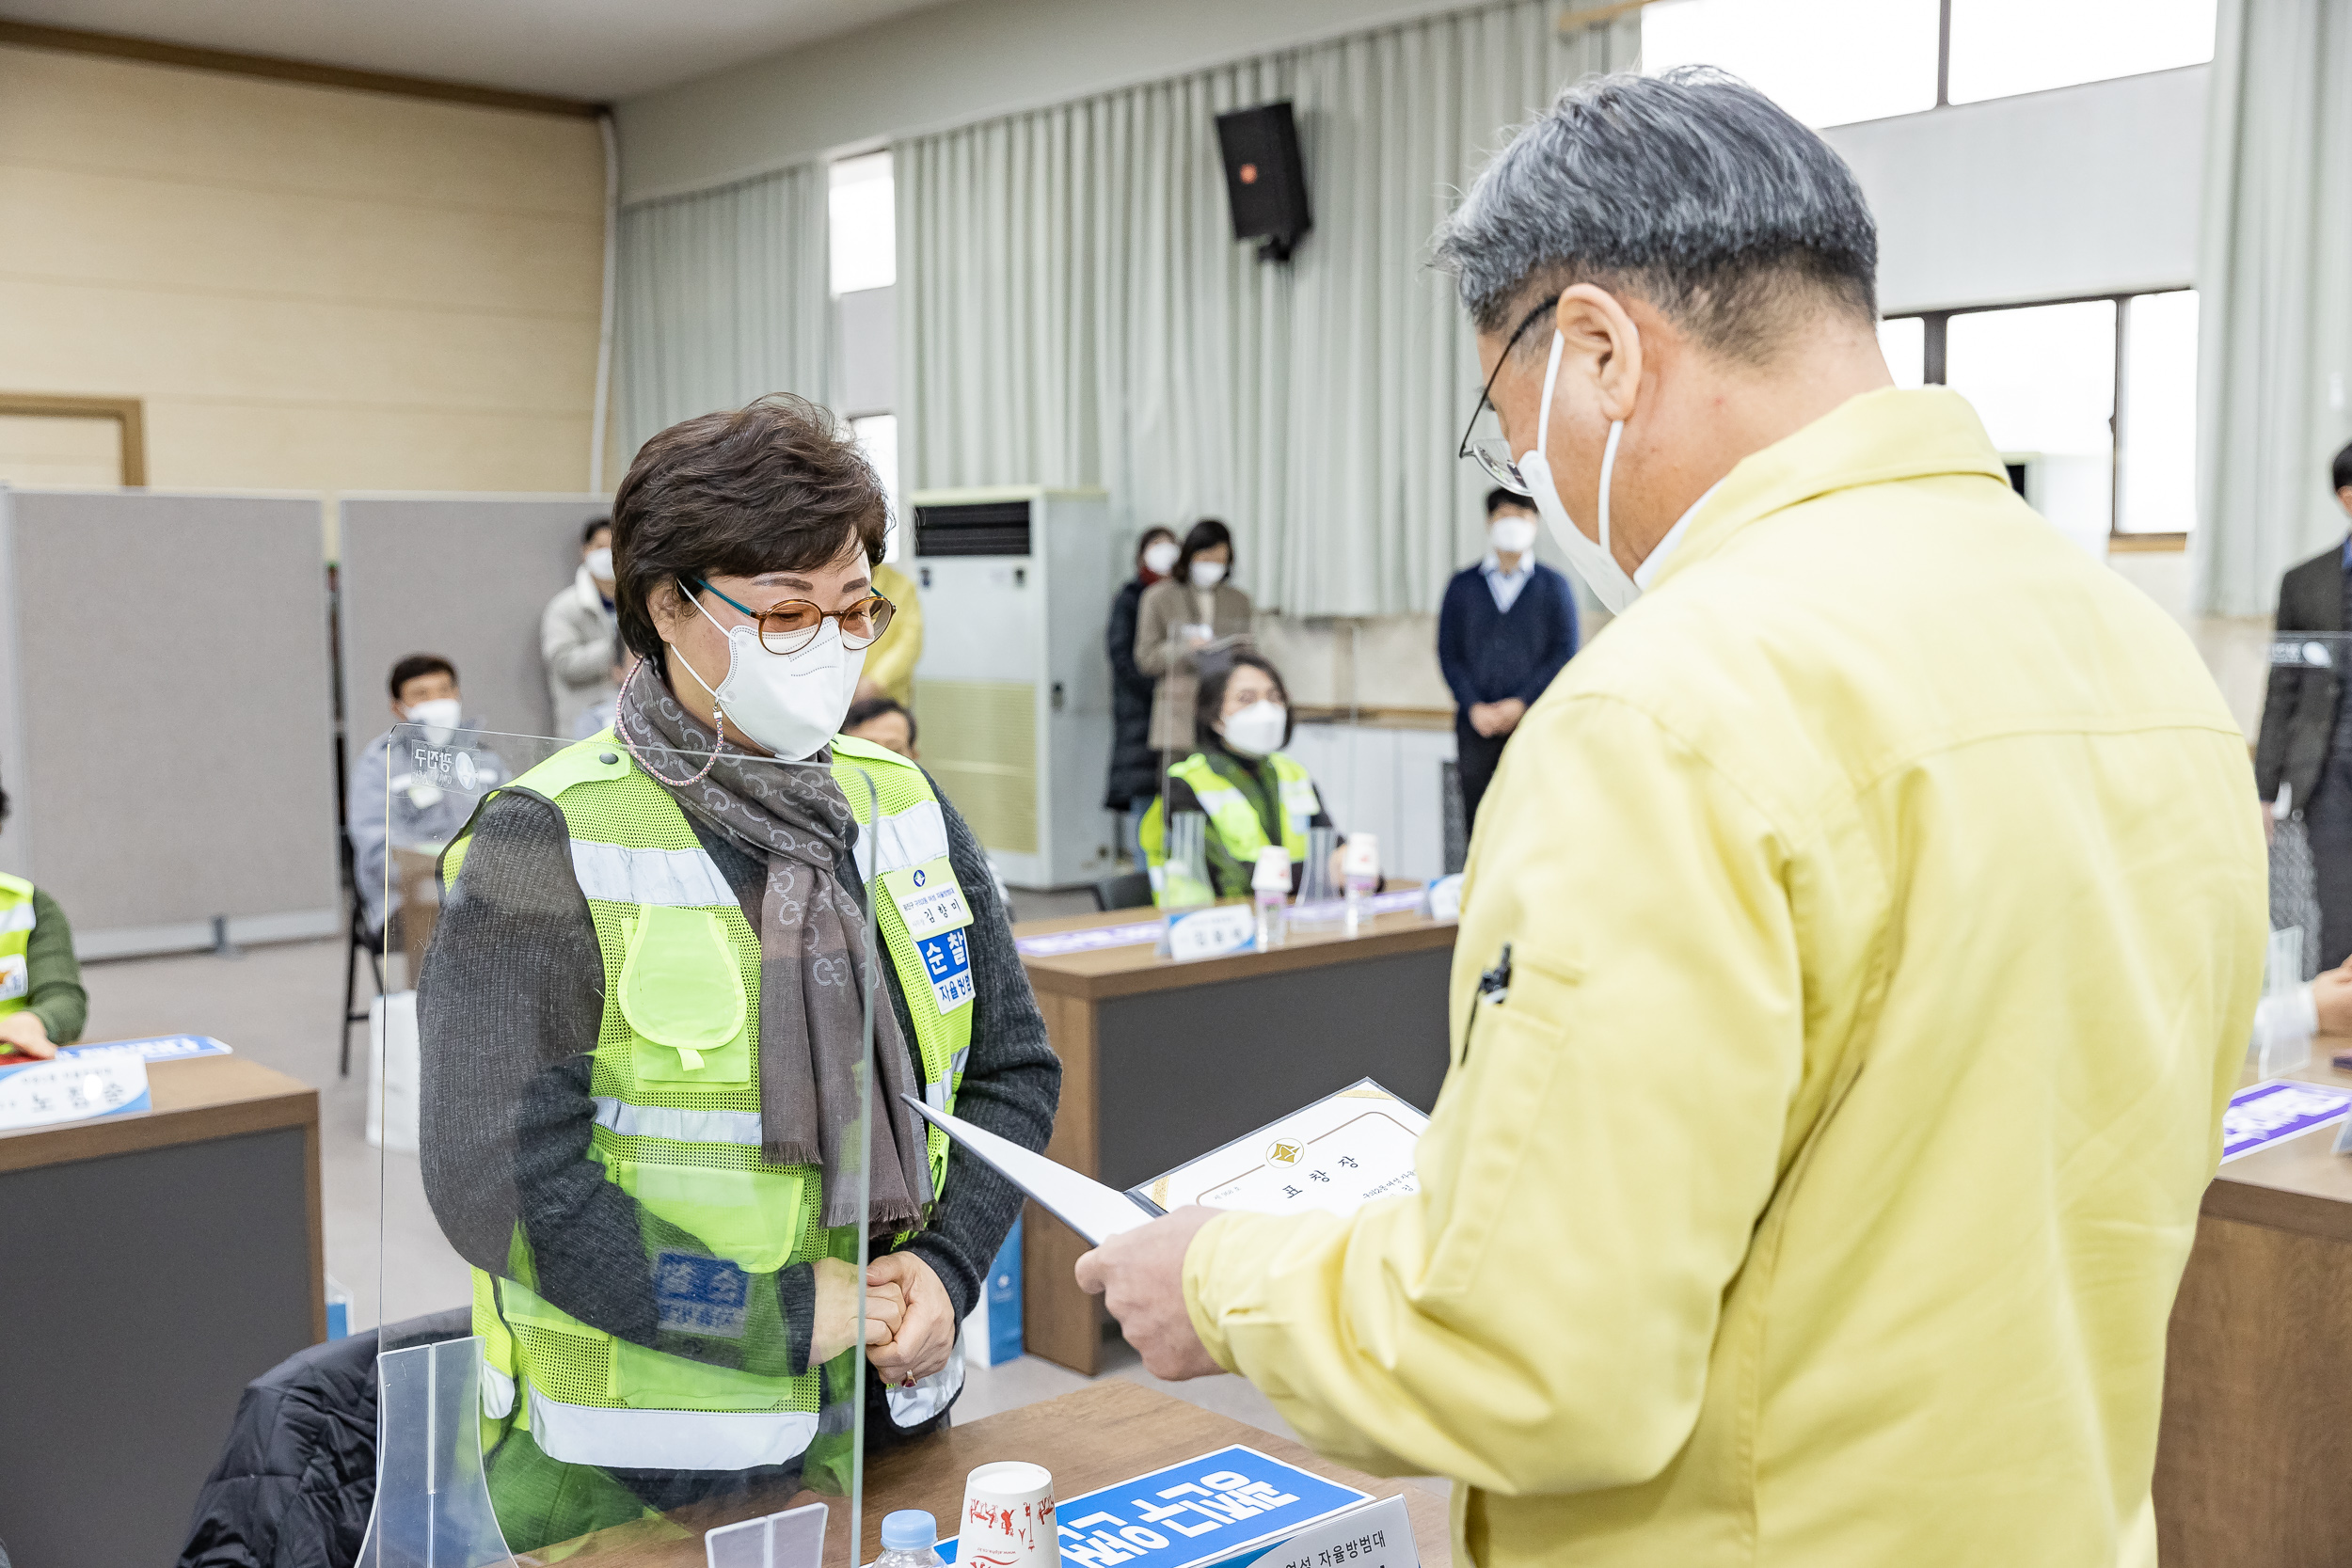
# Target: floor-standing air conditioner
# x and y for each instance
(1012, 693)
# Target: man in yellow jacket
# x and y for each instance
(1859, 944)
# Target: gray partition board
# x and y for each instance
(167, 725)
(465, 576)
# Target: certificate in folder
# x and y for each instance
(1336, 1154)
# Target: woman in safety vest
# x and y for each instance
(1252, 792)
(43, 1005)
(643, 1022)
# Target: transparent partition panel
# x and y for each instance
(641, 1100)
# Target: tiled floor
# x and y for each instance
(280, 1005)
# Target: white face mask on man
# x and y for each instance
(1256, 730)
(600, 563)
(439, 717)
(1207, 574)
(791, 704)
(1512, 533)
(1611, 583)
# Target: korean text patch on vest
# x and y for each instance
(928, 897)
(947, 964)
(700, 1295)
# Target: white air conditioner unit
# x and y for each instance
(1012, 696)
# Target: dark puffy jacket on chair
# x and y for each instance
(297, 1476)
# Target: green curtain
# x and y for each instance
(2274, 321)
(723, 297)
(1073, 310)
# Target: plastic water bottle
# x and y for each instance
(1270, 890)
(908, 1536)
(1359, 871)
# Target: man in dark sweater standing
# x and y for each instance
(2303, 755)
(1506, 627)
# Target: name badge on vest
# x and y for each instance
(694, 1294)
(927, 898)
(14, 979)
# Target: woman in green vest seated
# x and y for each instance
(1252, 792)
(43, 1005)
(642, 1029)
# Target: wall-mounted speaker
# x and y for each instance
(1263, 178)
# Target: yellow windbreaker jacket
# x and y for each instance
(1885, 900)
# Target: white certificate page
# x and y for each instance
(1336, 1154)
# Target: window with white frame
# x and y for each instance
(2099, 396)
(863, 224)
(878, 436)
(1833, 62)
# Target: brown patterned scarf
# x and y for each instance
(812, 938)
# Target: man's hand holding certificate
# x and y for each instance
(1337, 1154)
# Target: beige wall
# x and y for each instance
(311, 288)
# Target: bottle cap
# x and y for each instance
(910, 1529)
(1274, 868)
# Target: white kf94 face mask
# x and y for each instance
(1257, 730)
(1610, 582)
(1511, 534)
(1207, 574)
(791, 704)
(439, 716)
(1161, 555)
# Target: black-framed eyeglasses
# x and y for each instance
(788, 627)
(1494, 453)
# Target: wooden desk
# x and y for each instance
(150, 1264)
(1163, 1061)
(2257, 1435)
(1094, 1437)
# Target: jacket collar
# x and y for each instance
(1873, 439)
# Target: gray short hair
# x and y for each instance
(1691, 189)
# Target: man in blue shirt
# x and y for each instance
(1505, 628)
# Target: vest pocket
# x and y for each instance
(750, 1217)
(681, 993)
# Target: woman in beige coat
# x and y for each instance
(1195, 607)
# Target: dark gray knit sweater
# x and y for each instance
(508, 1007)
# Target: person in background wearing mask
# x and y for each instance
(576, 632)
(43, 1005)
(1135, 777)
(1506, 627)
(398, 800)
(644, 1037)
(1252, 792)
(884, 721)
(890, 662)
(1195, 610)
(1855, 961)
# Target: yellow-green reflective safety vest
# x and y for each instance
(676, 1078)
(16, 938)
(1232, 818)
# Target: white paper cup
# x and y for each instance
(1008, 1518)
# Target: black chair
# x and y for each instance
(359, 940)
(1130, 890)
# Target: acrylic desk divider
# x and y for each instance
(433, 1508)
(587, 1270)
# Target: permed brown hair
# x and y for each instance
(774, 486)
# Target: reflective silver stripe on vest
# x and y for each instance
(618, 875)
(17, 917)
(679, 1126)
(497, 1389)
(668, 1439)
(909, 837)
